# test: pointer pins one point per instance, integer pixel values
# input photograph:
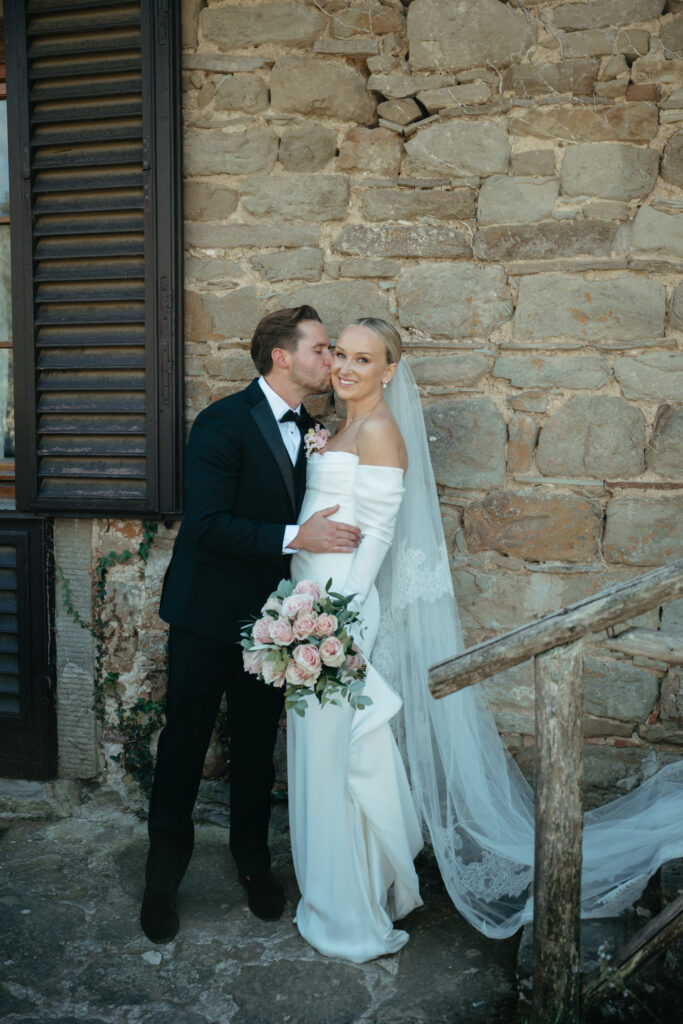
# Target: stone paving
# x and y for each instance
(71, 949)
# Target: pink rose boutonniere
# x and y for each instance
(315, 439)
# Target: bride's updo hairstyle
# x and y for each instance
(388, 334)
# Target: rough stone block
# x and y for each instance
(601, 437)
(289, 24)
(222, 152)
(412, 204)
(306, 197)
(250, 236)
(601, 13)
(504, 199)
(197, 322)
(611, 170)
(625, 308)
(529, 401)
(308, 147)
(665, 450)
(648, 91)
(598, 42)
(672, 617)
(633, 122)
(241, 92)
(463, 370)
(643, 531)
(190, 15)
(236, 314)
(458, 34)
(457, 300)
(459, 149)
(358, 267)
(657, 234)
(672, 161)
(230, 364)
(348, 47)
(676, 310)
(606, 209)
(469, 94)
(675, 100)
(653, 376)
(208, 201)
(546, 240)
(376, 150)
(211, 269)
(575, 76)
(327, 88)
(339, 302)
(671, 707)
(466, 442)
(672, 37)
(293, 265)
(536, 527)
(522, 435)
(537, 162)
(573, 372)
(402, 111)
(372, 17)
(617, 689)
(395, 240)
(400, 84)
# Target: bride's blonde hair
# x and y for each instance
(389, 335)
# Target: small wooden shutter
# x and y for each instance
(27, 724)
(94, 99)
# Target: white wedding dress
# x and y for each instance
(354, 828)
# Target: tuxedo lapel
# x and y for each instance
(266, 423)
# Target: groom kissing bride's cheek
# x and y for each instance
(245, 483)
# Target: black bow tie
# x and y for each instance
(300, 418)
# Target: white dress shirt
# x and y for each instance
(291, 435)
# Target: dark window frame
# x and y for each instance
(162, 176)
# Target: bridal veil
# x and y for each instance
(476, 804)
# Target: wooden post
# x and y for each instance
(557, 870)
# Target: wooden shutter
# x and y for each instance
(27, 723)
(93, 94)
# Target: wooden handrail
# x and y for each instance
(555, 642)
(590, 615)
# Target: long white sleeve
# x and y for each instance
(377, 495)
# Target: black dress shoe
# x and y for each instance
(158, 915)
(264, 895)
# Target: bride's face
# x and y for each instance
(360, 365)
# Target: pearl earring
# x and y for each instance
(384, 384)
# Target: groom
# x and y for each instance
(245, 481)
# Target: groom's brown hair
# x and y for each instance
(278, 330)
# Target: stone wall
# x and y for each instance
(504, 181)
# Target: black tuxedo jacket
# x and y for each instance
(241, 491)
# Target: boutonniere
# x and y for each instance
(315, 439)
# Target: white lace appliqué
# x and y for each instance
(414, 581)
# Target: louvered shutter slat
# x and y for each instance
(105, 416)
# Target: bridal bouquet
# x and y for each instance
(301, 642)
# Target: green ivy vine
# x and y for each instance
(138, 723)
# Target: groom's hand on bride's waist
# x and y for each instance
(321, 534)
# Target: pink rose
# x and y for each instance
(354, 663)
(273, 604)
(261, 630)
(280, 632)
(252, 662)
(297, 604)
(298, 676)
(309, 587)
(331, 652)
(326, 624)
(271, 671)
(305, 625)
(306, 655)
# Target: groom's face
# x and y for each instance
(310, 362)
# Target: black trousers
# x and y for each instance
(200, 671)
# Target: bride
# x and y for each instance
(354, 829)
